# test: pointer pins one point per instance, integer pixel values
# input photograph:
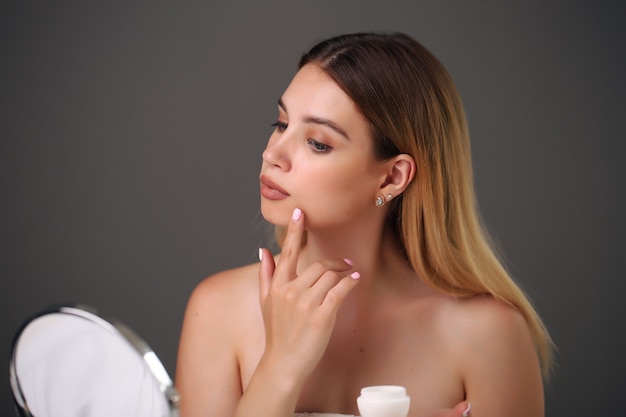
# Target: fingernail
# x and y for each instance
(348, 261)
(260, 254)
(355, 275)
(297, 213)
(467, 410)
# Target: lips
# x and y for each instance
(271, 190)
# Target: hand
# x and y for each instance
(462, 409)
(299, 311)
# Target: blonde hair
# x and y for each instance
(414, 108)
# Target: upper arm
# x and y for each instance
(207, 375)
(499, 363)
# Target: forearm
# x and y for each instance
(270, 393)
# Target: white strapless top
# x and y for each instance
(322, 415)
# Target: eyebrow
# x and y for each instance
(318, 120)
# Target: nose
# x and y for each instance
(277, 152)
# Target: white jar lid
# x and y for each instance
(384, 391)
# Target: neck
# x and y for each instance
(376, 254)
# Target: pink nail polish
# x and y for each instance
(355, 275)
(260, 254)
(468, 410)
(297, 213)
(348, 261)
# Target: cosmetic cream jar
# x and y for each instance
(383, 401)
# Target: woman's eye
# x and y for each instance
(280, 126)
(318, 146)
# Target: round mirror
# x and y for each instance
(69, 362)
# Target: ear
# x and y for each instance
(400, 172)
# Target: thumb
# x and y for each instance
(266, 272)
(462, 409)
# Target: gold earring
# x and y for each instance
(380, 201)
(389, 197)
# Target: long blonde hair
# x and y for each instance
(414, 108)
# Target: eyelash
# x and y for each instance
(280, 126)
(317, 146)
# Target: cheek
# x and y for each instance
(347, 192)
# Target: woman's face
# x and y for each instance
(319, 157)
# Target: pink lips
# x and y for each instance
(272, 191)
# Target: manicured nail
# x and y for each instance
(355, 275)
(468, 410)
(260, 254)
(295, 216)
(348, 261)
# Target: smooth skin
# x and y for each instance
(305, 330)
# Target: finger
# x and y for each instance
(325, 284)
(462, 409)
(318, 270)
(266, 272)
(338, 293)
(288, 261)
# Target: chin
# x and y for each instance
(275, 214)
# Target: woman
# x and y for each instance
(385, 275)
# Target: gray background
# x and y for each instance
(130, 141)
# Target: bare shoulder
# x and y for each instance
(221, 309)
(485, 328)
(486, 316)
(225, 296)
(237, 281)
(494, 350)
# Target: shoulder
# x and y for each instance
(222, 311)
(230, 280)
(482, 327)
(495, 353)
(485, 316)
(219, 310)
(226, 290)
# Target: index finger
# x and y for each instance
(286, 268)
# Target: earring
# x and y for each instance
(389, 197)
(380, 201)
